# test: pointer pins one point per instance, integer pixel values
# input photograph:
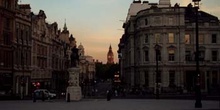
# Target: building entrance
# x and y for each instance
(190, 80)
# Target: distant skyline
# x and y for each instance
(98, 23)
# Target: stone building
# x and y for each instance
(7, 21)
(60, 58)
(87, 71)
(173, 29)
(50, 59)
(22, 50)
(34, 53)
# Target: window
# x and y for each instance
(214, 78)
(187, 39)
(146, 55)
(138, 56)
(171, 38)
(146, 78)
(6, 3)
(214, 38)
(17, 31)
(157, 20)
(214, 55)
(157, 38)
(170, 21)
(7, 40)
(201, 55)
(146, 21)
(7, 23)
(159, 76)
(201, 39)
(187, 55)
(146, 38)
(159, 55)
(171, 78)
(171, 55)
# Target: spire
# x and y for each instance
(65, 27)
(110, 47)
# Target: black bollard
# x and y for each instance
(68, 97)
(34, 97)
(109, 95)
(43, 96)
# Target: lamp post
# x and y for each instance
(157, 71)
(198, 103)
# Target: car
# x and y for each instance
(47, 94)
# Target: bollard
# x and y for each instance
(34, 97)
(68, 97)
(43, 96)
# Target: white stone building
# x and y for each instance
(173, 29)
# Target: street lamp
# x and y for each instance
(157, 72)
(198, 103)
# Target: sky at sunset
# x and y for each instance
(98, 23)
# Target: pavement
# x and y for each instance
(114, 104)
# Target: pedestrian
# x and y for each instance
(109, 95)
(34, 97)
(43, 96)
(116, 93)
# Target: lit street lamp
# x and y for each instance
(157, 78)
(198, 103)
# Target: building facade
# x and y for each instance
(22, 50)
(34, 53)
(173, 30)
(87, 71)
(50, 59)
(7, 21)
(41, 51)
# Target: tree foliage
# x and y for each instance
(106, 71)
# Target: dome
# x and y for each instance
(80, 46)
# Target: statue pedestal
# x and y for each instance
(74, 90)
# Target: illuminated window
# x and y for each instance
(171, 38)
(157, 38)
(201, 39)
(187, 39)
(171, 55)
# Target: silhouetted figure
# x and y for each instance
(109, 95)
(68, 97)
(74, 57)
(43, 99)
(34, 97)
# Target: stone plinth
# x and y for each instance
(74, 89)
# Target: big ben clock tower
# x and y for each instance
(110, 56)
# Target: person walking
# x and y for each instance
(109, 95)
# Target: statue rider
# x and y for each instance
(74, 57)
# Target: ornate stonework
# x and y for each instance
(74, 90)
